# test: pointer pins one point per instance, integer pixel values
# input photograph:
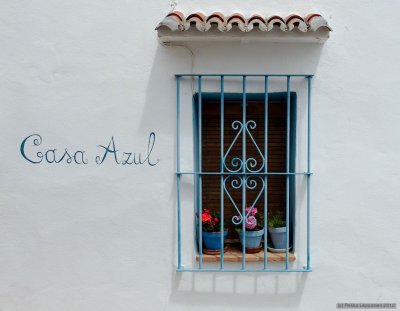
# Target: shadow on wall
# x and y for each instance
(217, 58)
(160, 108)
(240, 290)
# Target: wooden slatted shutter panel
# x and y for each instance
(211, 144)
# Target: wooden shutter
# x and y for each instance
(211, 144)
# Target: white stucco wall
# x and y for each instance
(103, 237)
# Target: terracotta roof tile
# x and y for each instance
(316, 21)
(236, 19)
(216, 18)
(276, 20)
(294, 20)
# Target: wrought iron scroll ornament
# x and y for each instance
(237, 163)
(244, 182)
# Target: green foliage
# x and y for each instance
(276, 220)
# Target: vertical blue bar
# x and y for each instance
(222, 171)
(178, 185)
(199, 116)
(265, 170)
(308, 168)
(244, 177)
(287, 169)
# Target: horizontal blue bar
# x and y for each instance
(246, 271)
(241, 75)
(259, 97)
(241, 173)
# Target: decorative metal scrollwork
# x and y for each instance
(249, 165)
(236, 162)
(236, 182)
(250, 183)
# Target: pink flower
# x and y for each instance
(251, 222)
(253, 212)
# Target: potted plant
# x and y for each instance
(211, 230)
(254, 229)
(277, 230)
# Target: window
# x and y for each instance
(244, 157)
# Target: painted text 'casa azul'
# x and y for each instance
(32, 152)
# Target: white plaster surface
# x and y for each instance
(103, 237)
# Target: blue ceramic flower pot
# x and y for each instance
(278, 237)
(253, 238)
(212, 240)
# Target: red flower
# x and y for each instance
(206, 217)
(210, 220)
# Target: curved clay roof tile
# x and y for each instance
(296, 20)
(175, 21)
(316, 21)
(217, 18)
(238, 19)
(179, 15)
(276, 20)
(257, 19)
(199, 19)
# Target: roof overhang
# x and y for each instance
(197, 27)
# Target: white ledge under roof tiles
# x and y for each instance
(176, 27)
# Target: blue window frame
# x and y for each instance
(244, 170)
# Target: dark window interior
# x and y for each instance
(211, 152)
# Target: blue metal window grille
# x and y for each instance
(243, 172)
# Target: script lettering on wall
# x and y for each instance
(31, 150)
